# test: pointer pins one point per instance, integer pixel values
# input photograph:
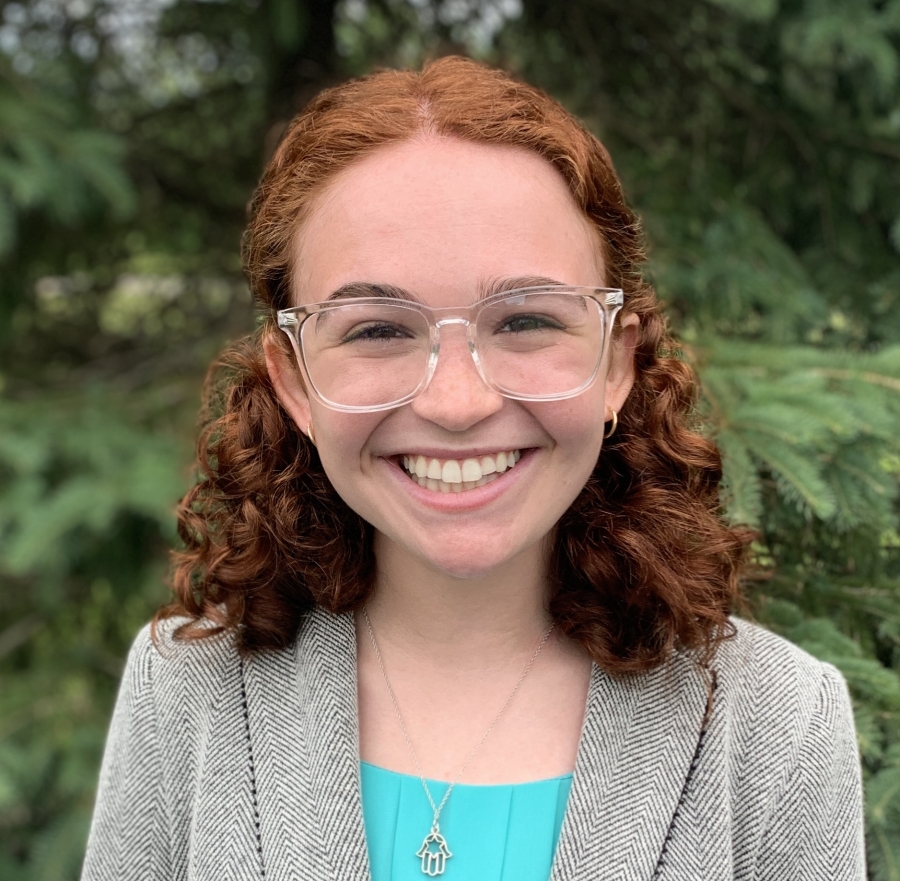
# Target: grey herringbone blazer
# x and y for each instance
(227, 770)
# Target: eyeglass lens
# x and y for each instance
(530, 345)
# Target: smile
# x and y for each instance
(455, 475)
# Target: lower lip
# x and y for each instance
(467, 500)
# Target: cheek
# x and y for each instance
(576, 425)
(341, 439)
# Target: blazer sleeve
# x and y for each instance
(128, 840)
(816, 830)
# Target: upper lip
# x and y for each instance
(435, 453)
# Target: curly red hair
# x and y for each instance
(642, 561)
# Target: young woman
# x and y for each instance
(455, 591)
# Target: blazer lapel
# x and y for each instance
(639, 739)
(304, 734)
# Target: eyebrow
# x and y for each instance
(371, 289)
(500, 285)
(486, 288)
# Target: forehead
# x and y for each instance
(441, 217)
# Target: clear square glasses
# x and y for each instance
(364, 354)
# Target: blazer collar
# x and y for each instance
(638, 742)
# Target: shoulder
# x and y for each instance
(758, 666)
(180, 680)
(159, 652)
(780, 708)
(786, 730)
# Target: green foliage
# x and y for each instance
(48, 162)
(69, 473)
(86, 499)
(882, 798)
(819, 423)
(760, 142)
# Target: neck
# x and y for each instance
(465, 622)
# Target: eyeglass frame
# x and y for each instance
(289, 320)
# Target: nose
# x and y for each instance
(457, 397)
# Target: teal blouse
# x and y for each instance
(494, 833)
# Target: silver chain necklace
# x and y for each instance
(434, 852)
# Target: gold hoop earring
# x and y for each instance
(309, 433)
(615, 424)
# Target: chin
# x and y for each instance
(468, 561)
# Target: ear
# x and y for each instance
(620, 376)
(288, 384)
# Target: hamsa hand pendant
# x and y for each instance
(434, 853)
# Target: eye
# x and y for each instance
(528, 323)
(376, 332)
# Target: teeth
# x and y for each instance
(451, 472)
(471, 470)
(456, 476)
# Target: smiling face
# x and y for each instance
(445, 220)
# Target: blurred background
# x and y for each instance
(759, 139)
